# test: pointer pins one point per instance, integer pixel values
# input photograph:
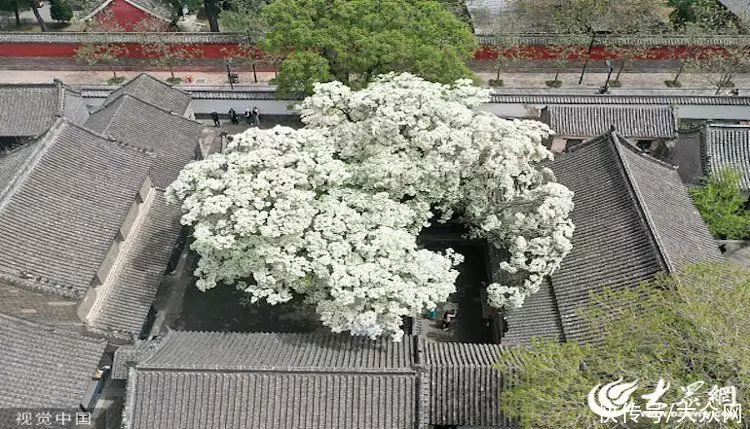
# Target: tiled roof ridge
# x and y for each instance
(32, 160)
(711, 124)
(623, 142)
(22, 280)
(280, 369)
(122, 97)
(120, 143)
(148, 9)
(30, 85)
(53, 329)
(664, 259)
(156, 80)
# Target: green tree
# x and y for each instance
(721, 204)
(244, 16)
(361, 39)
(685, 328)
(60, 10)
(300, 71)
(159, 50)
(104, 53)
(583, 16)
(15, 6)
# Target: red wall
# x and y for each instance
(597, 52)
(218, 51)
(67, 50)
(125, 14)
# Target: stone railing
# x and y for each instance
(233, 38)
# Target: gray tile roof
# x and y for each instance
(533, 97)
(38, 307)
(741, 8)
(44, 367)
(590, 121)
(137, 122)
(154, 91)
(53, 237)
(464, 387)
(231, 380)
(539, 318)
(154, 8)
(686, 155)
(727, 146)
(29, 110)
(244, 351)
(12, 163)
(490, 17)
(132, 286)
(633, 219)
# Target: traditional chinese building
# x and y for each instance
(195, 380)
(650, 128)
(633, 218)
(710, 148)
(27, 111)
(128, 13)
(47, 373)
(156, 93)
(86, 235)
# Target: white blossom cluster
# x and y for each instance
(332, 212)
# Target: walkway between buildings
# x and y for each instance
(693, 84)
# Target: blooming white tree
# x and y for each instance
(332, 212)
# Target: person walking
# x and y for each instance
(248, 115)
(233, 116)
(215, 117)
(448, 319)
(256, 116)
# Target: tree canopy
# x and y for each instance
(332, 212)
(60, 10)
(683, 329)
(583, 16)
(361, 39)
(722, 205)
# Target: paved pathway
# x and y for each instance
(631, 82)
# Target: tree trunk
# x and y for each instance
(212, 14)
(497, 77)
(679, 72)
(254, 58)
(171, 71)
(622, 67)
(38, 16)
(114, 72)
(18, 17)
(557, 74)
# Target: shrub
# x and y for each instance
(721, 205)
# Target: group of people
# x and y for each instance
(252, 116)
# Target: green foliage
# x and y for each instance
(115, 80)
(243, 16)
(702, 16)
(60, 10)
(160, 52)
(721, 205)
(684, 12)
(300, 71)
(457, 8)
(361, 39)
(683, 329)
(581, 16)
